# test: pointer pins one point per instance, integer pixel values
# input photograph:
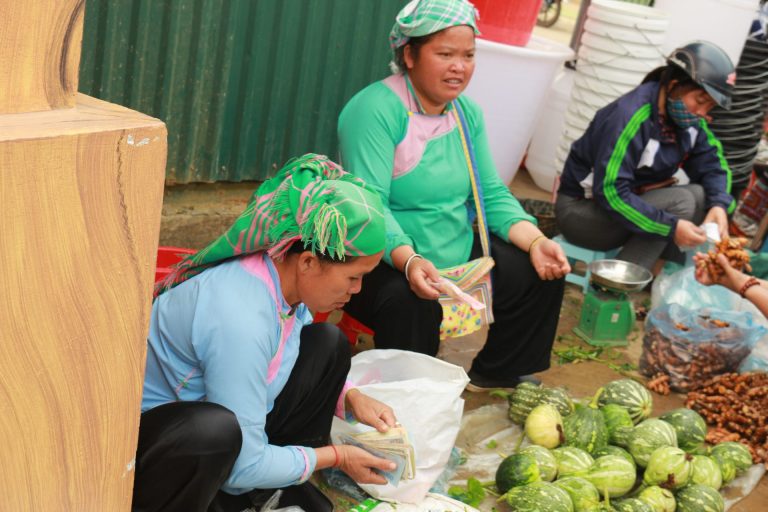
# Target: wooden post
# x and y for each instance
(81, 190)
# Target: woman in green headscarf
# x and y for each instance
(240, 386)
(401, 135)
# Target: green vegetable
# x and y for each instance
(572, 461)
(583, 494)
(585, 429)
(727, 468)
(473, 495)
(615, 450)
(699, 498)
(544, 426)
(668, 467)
(557, 397)
(517, 469)
(544, 459)
(689, 426)
(660, 500)
(618, 422)
(612, 475)
(705, 471)
(632, 505)
(648, 436)
(737, 453)
(522, 401)
(539, 497)
(629, 394)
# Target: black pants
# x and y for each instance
(526, 310)
(187, 450)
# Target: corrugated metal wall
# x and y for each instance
(243, 85)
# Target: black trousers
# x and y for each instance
(186, 450)
(526, 311)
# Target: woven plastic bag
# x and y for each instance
(425, 394)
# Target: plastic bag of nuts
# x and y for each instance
(694, 346)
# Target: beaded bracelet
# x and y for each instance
(408, 262)
(749, 283)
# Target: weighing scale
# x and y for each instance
(608, 315)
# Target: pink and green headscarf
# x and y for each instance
(424, 17)
(311, 200)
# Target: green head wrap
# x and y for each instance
(424, 17)
(312, 200)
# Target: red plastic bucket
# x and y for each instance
(507, 21)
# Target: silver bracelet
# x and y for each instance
(408, 262)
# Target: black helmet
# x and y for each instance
(710, 67)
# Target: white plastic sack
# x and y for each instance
(431, 503)
(425, 394)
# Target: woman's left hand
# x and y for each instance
(549, 260)
(718, 215)
(370, 411)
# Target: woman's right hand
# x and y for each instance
(731, 278)
(420, 272)
(688, 234)
(360, 465)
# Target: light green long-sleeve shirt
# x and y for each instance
(417, 164)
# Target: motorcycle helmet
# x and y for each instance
(709, 67)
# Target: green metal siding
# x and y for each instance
(243, 85)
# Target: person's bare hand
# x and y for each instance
(718, 215)
(688, 234)
(730, 278)
(360, 465)
(420, 272)
(370, 411)
(549, 260)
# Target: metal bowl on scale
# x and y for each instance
(618, 276)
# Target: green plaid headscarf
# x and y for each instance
(424, 17)
(311, 199)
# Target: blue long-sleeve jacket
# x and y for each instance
(625, 146)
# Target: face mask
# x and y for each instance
(679, 114)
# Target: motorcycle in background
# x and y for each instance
(549, 12)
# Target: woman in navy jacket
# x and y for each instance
(617, 188)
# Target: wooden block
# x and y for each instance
(39, 54)
(80, 199)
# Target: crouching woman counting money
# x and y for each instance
(240, 386)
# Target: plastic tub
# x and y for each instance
(623, 62)
(511, 85)
(507, 22)
(723, 22)
(627, 15)
(622, 33)
(618, 47)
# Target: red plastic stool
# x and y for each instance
(351, 327)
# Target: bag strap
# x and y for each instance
(474, 177)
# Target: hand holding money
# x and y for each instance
(369, 411)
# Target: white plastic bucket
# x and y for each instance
(541, 158)
(511, 85)
(723, 22)
(628, 15)
(602, 87)
(612, 60)
(619, 47)
(622, 33)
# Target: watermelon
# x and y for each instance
(618, 422)
(699, 498)
(522, 401)
(689, 426)
(537, 497)
(585, 429)
(705, 471)
(612, 475)
(544, 426)
(628, 394)
(572, 461)
(668, 467)
(517, 469)
(701, 449)
(632, 505)
(649, 435)
(545, 460)
(615, 450)
(583, 494)
(727, 468)
(737, 453)
(660, 500)
(557, 397)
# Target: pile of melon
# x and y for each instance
(610, 455)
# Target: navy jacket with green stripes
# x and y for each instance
(624, 148)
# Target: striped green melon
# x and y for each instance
(689, 426)
(660, 500)
(632, 505)
(699, 498)
(628, 394)
(544, 459)
(544, 426)
(618, 422)
(668, 467)
(615, 450)
(583, 494)
(585, 429)
(705, 471)
(517, 469)
(572, 461)
(648, 436)
(538, 497)
(557, 397)
(522, 401)
(727, 468)
(736, 452)
(612, 475)
(701, 449)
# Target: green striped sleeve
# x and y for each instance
(612, 173)
(714, 141)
